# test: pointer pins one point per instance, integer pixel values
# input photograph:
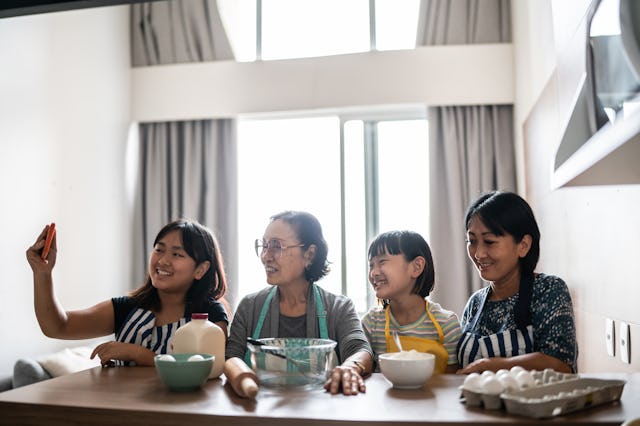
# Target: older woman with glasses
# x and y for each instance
(294, 254)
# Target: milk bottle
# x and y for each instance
(201, 336)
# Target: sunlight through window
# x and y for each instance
(313, 28)
(290, 164)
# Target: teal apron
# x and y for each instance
(320, 312)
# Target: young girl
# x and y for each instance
(185, 275)
(402, 275)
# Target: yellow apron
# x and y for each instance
(420, 344)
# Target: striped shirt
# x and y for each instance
(138, 326)
(373, 323)
(140, 329)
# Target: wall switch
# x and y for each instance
(625, 343)
(610, 336)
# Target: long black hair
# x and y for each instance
(201, 245)
(506, 213)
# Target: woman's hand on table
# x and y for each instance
(478, 366)
(532, 361)
(110, 351)
(347, 379)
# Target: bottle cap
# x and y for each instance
(200, 316)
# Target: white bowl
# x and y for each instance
(407, 369)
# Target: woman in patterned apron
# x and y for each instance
(522, 317)
(185, 275)
(294, 254)
(402, 275)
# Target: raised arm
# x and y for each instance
(54, 321)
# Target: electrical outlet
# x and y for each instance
(625, 343)
(610, 336)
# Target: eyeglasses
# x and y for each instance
(273, 247)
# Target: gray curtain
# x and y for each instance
(471, 147)
(471, 151)
(464, 22)
(186, 168)
(169, 32)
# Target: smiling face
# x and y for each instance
(496, 257)
(286, 266)
(392, 276)
(170, 267)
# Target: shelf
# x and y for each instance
(610, 157)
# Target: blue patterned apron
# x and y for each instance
(473, 346)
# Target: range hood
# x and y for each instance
(610, 157)
(601, 142)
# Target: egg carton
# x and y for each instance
(490, 401)
(561, 398)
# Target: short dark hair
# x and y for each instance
(503, 213)
(201, 245)
(411, 245)
(308, 231)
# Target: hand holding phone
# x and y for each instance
(51, 232)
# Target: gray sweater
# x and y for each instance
(343, 323)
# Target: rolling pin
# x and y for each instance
(243, 379)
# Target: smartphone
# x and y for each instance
(47, 242)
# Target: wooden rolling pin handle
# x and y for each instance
(243, 379)
(248, 387)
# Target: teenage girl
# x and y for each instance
(185, 275)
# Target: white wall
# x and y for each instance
(64, 117)
(432, 75)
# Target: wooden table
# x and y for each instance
(135, 396)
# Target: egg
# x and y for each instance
(487, 373)
(472, 382)
(516, 369)
(491, 385)
(502, 372)
(509, 382)
(166, 358)
(196, 357)
(525, 380)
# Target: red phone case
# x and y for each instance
(47, 242)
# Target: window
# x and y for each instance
(287, 164)
(281, 29)
(358, 175)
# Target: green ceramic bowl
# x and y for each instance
(182, 375)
